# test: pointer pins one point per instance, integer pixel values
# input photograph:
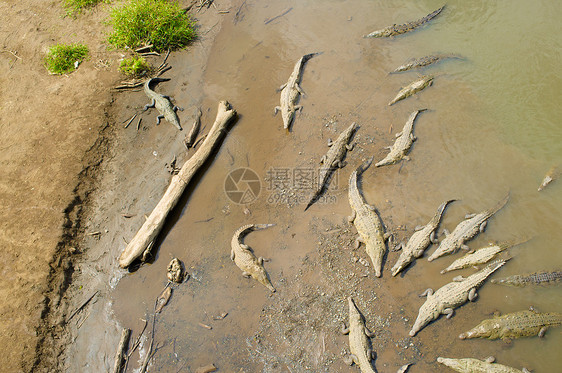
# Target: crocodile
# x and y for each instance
(367, 221)
(480, 256)
(291, 91)
(404, 28)
(452, 295)
(333, 159)
(514, 325)
(469, 365)
(539, 278)
(403, 143)
(359, 344)
(412, 88)
(162, 103)
(423, 61)
(419, 241)
(551, 175)
(245, 259)
(466, 230)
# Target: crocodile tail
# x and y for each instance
(262, 226)
(431, 15)
(364, 166)
(500, 205)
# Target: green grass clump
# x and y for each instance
(62, 58)
(158, 22)
(134, 67)
(76, 6)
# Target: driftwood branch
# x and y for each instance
(122, 351)
(152, 226)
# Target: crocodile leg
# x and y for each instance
(446, 232)
(542, 331)
(358, 242)
(371, 354)
(151, 105)
(281, 88)
(465, 247)
(398, 247)
(246, 247)
(472, 294)
(469, 216)
(351, 217)
(433, 237)
(330, 142)
(449, 312)
(369, 333)
(483, 226)
(458, 278)
(323, 159)
(276, 110)
(350, 359)
(406, 158)
(341, 164)
(398, 134)
(159, 118)
(418, 228)
(299, 89)
(427, 293)
(350, 147)
(232, 255)
(176, 108)
(246, 274)
(344, 329)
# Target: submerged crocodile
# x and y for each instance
(162, 103)
(423, 61)
(412, 88)
(551, 175)
(419, 241)
(359, 344)
(480, 256)
(367, 221)
(470, 365)
(333, 159)
(403, 143)
(451, 296)
(404, 28)
(291, 91)
(539, 278)
(466, 230)
(514, 325)
(245, 259)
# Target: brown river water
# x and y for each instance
(492, 127)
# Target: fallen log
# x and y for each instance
(122, 351)
(152, 226)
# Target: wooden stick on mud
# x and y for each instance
(152, 226)
(122, 350)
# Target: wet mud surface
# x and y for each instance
(314, 264)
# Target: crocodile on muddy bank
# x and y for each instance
(162, 103)
(404, 28)
(469, 365)
(367, 221)
(419, 241)
(466, 230)
(539, 278)
(403, 143)
(412, 88)
(290, 93)
(452, 295)
(243, 256)
(359, 343)
(332, 160)
(417, 63)
(514, 325)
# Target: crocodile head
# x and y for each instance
(428, 312)
(487, 328)
(259, 274)
(460, 365)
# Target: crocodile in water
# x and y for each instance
(539, 278)
(403, 143)
(419, 241)
(551, 175)
(514, 325)
(480, 256)
(367, 221)
(469, 365)
(412, 88)
(162, 103)
(466, 230)
(332, 159)
(404, 28)
(359, 343)
(451, 296)
(291, 91)
(423, 61)
(245, 259)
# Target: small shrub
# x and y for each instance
(158, 22)
(62, 58)
(76, 6)
(134, 67)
